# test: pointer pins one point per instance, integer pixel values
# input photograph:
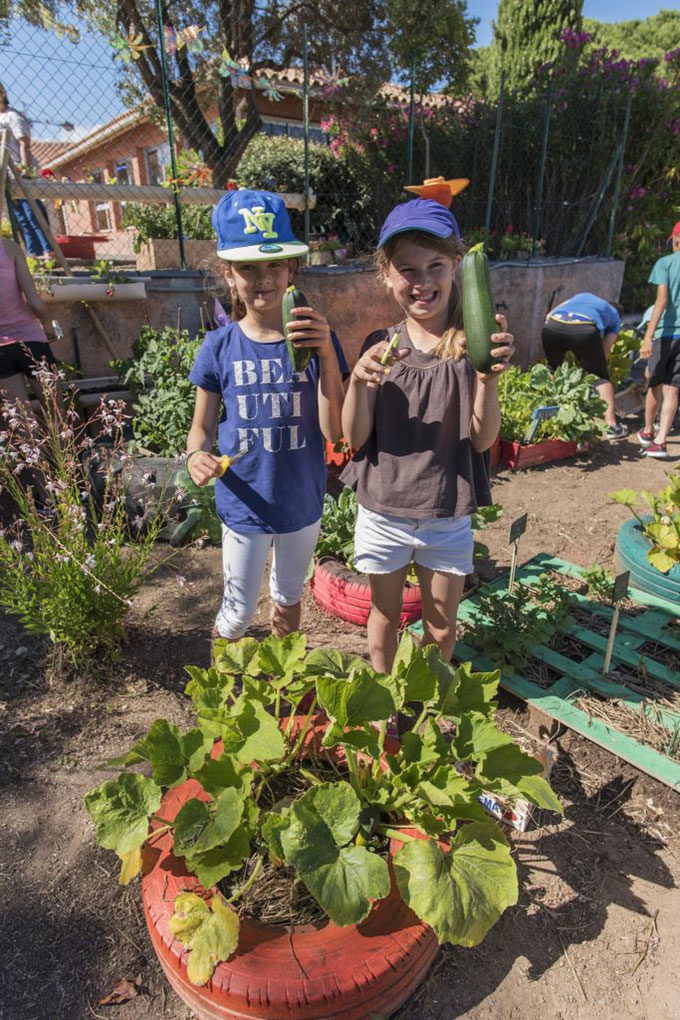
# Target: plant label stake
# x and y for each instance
(540, 414)
(620, 590)
(517, 529)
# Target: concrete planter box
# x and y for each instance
(163, 253)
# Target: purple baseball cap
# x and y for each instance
(419, 214)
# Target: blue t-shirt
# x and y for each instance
(585, 308)
(667, 271)
(271, 414)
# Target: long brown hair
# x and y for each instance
(452, 247)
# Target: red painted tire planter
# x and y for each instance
(341, 592)
(310, 972)
(515, 456)
(337, 457)
(495, 453)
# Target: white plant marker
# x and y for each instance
(517, 529)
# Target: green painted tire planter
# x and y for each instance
(632, 546)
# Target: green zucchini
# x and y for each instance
(300, 356)
(479, 310)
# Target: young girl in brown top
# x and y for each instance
(420, 423)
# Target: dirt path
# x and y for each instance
(595, 933)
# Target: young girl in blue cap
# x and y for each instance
(420, 423)
(270, 418)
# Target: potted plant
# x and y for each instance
(102, 284)
(322, 249)
(649, 545)
(570, 397)
(361, 851)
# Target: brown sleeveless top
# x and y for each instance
(419, 460)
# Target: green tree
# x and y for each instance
(413, 29)
(527, 35)
(638, 39)
(366, 41)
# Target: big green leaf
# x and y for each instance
(461, 894)
(200, 826)
(477, 735)
(209, 931)
(263, 738)
(363, 697)
(121, 810)
(169, 752)
(426, 748)
(343, 879)
(237, 657)
(332, 662)
(539, 791)
(466, 691)
(661, 560)
(627, 497)
(503, 769)
(219, 773)
(282, 656)
(203, 679)
(211, 866)
(361, 740)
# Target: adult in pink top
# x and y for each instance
(25, 325)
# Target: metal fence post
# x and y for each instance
(411, 120)
(494, 161)
(541, 172)
(171, 132)
(305, 124)
(617, 182)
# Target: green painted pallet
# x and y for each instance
(653, 623)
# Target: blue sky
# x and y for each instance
(54, 81)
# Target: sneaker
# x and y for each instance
(617, 431)
(645, 438)
(657, 450)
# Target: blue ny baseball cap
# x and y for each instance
(419, 214)
(254, 226)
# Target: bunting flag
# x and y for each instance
(129, 47)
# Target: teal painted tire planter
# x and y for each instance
(632, 546)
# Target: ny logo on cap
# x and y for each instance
(257, 219)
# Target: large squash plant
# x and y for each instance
(458, 878)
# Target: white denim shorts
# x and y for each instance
(384, 543)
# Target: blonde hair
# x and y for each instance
(452, 247)
(238, 309)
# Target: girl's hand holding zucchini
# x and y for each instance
(503, 352)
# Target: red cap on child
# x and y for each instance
(674, 232)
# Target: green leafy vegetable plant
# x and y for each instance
(163, 398)
(458, 874)
(507, 626)
(600, 582)
(663, 528)
(580, 416)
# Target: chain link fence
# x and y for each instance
(161, 118)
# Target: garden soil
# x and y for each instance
(596, 930)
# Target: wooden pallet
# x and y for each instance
(654, 623)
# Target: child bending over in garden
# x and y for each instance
(270, 417)
(420, 424)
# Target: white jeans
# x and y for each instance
(244, 558)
